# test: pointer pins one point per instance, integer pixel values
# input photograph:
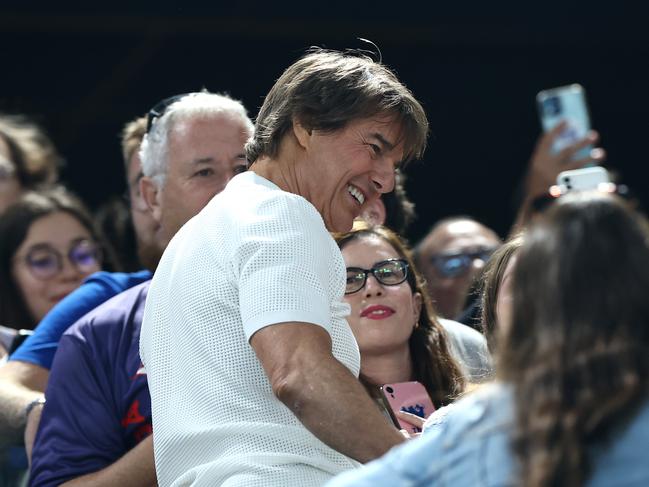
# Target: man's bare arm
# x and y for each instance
(135, 469)
(20, 384)
(323, 394)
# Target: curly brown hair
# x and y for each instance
(433, 364)
(577, 353)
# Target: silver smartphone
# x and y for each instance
(566, 103)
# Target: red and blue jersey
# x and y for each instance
(98, 404)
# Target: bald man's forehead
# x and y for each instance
(458, 236)
(464, 227)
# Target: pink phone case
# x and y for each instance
(410, 397)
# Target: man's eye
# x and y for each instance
(203, 173)
(375, 148)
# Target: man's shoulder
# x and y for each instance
(118, 281)
(470, 348)
(112, 316)
(462, 332)
(260, 198)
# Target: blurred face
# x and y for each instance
(451, 257)
(55, 234)
(143, 222)
(10, 189)
(203, 155)
(504, 302)
(382, 317)
(346, 171)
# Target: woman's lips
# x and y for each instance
(377, 312)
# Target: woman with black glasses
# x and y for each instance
(47, 248)
(571, 403)
(398, 335)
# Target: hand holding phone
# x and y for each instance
(565, 105)
(410, 397)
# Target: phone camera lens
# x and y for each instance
(389, 389)
(552, 106)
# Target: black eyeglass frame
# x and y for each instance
(377, 276)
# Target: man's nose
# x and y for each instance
(372, 286)
(384, 177)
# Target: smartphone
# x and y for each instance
(587, 178)
(566, 103)
(410, 397)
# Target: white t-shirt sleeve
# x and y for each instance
(283, 266)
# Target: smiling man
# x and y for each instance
(252, 367)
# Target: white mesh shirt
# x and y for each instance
(253, 257)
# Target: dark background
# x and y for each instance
(83, 70)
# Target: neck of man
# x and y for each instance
(387, 368)
(282, 169)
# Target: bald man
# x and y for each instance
(451, 256)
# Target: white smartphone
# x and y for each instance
(585, 179)
(566, 103)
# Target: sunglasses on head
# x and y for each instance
(160, 108)
(388, 272)
(45, 262)
(458, 264)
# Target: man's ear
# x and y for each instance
(302, 135)
(151, 194)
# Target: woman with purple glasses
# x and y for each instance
(48, 247)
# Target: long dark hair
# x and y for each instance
(15, 223)
(432, 362)
(577, 353)
(489, 287)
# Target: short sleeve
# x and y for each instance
(79, 432)
(284, 265)
(39, 348)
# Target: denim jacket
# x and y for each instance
(469, 446)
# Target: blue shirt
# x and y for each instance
(98, 404)
(39, 348)
(470, 447)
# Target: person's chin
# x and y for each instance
(340, 225)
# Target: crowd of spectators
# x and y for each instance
(260, 291)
